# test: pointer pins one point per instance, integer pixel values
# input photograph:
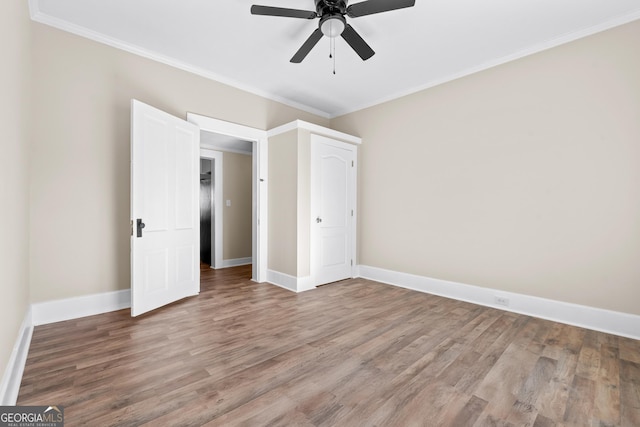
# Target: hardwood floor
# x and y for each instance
(354, 353)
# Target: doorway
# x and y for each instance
(207, 217)
(226, 200)
(211, 214)
(257, 141)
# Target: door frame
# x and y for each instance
(259, 220)
(218, 212)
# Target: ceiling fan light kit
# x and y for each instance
(332, 25)
(333, 22)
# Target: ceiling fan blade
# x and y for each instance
(370, 7)
(282, 11)
(357, 43)
(313, 39)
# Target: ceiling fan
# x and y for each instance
(333, 22)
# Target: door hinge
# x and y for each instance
(132, 227)
(351, 212)
(351, 263)
(352, 163)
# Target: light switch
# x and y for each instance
(228, 203)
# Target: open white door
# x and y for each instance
(333, 200)
(164, 208)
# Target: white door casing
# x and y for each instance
(259, 184)
(165, 176)
(333, 209)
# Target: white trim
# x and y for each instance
(74, 308)
(316, 129)
(260, 216)
(226, 263)
(218, 211)
(283, 280)
(305, 284)
(356, 270)
(549, 44)
(10, 385)
(612, 322)
(259, 188)
(41, 17)
(290, 283)
(225, 149)
(242, 132)
(81, 31)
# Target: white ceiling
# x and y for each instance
(419, 47)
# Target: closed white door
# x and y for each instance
(165, 212)
(333, 196)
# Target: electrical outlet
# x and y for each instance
(501, 301)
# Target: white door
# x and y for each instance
(333, 185)
(165, 214)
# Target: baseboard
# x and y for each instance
(12, 377)
(226, 263)
(288, 282)
(356, 270)
(612, 322)
(305, 284)
(74, 308)
(283, 280)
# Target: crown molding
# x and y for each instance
(315, 129)
(549, 44)
(42, 18)
(38, 16)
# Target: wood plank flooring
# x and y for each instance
(354, 353)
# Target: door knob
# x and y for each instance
(139, 226)
(318, 220)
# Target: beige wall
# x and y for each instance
(282, 193)
(304, 203)
(290, 202)
(15, 96)
(236, 181)
(522, 178)
(80, 163)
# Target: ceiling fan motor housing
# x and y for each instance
(331, 7)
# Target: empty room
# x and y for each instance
(320, 213)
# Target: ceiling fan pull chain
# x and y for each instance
(333, 42)
(330, 48)
(330, 40)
